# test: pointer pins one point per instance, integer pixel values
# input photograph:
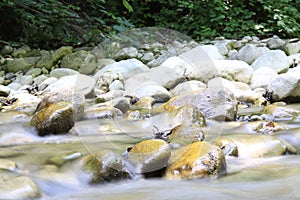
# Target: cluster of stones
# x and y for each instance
(186, 82)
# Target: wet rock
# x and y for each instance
(101, 113)
(275, 59)
(286, 87)
(253, 146)
(60, 72)
(147, 89)
(186, 87)
(81, 61)
(144, 103)
(215, 103)
(149, 156)
(7, 165)
(185, 134)
(269, 127)
(18, 187)
(104, 167)
(273, 112)
(127, 68)
(197, 160)
(234, 70)
(139, 114)
(189, 114)
(109, 96)
(262, 77)
(60, 160)
(23, 102)
(57, 118)
(49, 60)
(248, 53)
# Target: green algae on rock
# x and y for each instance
(104, 167)
(57, 118)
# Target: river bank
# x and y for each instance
(137, 106)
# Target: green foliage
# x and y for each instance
(53, 23)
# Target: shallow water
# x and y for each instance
(54, 164)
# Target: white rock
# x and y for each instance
(235, 70)
(127, 68)
(46, 83)
(275, 59)
(188, 86)
(293, 48)
(60, 72)
(248, 53)
(262, 77)
(116, 85)
(4, 90)
(25, 102)
(212, 52)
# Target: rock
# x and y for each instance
(286, 87)
(103, 62)
(24, 80)
(60, 72)
(222, 47)
(185, 134)
(293, 48)
(49, 60)
(105, 79)
(20, 52)
(147, 89)
(212, 52)
(195, 161)
(234, 70)
(14, 86)
(127, 68)
(263, 50)
(188, 86)
(19, 64)
(294, 60)
(116, 85)
(273, 112)
(4, 91)
(269, 127)
(262, 77)
(81, 61)
(162, 75)
(70, 89)
(147, 57)
(144, 103)
(6, 50)
(18, 187)
(275, 59)
(25, 102)
(7, 165)
(161, 58)
(121, 103)
(101, 113)
(46, 82)
(214, 103)
(57, 118)
(102, 167)
(149, 156)
(125, 53)
(248, 53)
(109, 96)
(194, 63)
(34, 72)
(253, 146)
(276, 43)
(189, 115)
(39, 79)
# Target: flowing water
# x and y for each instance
(54, 164)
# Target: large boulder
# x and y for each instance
(234, 70)
(57, 118)
(286, 87)
(262, 77)
(275, 59)
(216, 102)
(81, 61)
(197, 160)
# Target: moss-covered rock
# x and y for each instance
(104, 167)
(186, 134)
(81, 61)
(50, 60)
(19, 64)
(149, 156)
(197, 160)
(57, 118)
